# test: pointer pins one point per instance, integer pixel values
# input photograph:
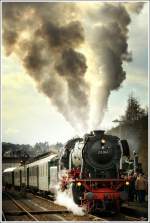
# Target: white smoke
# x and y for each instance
(65, 199)
(74, 52)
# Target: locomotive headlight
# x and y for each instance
(79, 184)
(103, 141)
(127, 183)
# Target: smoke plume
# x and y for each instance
(65, 199)
(52, 41)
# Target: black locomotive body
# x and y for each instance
(101, 155)
(94, 166)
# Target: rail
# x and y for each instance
(22, 208)
(94, 218)
(3, 216)
(57, 213)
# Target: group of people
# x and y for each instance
(138, 187)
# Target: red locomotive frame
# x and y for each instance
(107, 189)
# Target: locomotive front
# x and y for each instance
(102, 154)
(94, 164)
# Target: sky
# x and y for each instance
(137, 70)
(28, 116)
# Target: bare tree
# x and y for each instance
(134, 111)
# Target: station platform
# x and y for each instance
(137, 209)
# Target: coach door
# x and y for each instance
(53, 178)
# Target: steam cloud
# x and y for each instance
(51, 40)
(65, 199)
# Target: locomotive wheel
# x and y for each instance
(76, 192)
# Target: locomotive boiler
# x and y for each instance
(94, 165)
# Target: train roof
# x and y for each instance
(37, 162)
(10, 169)
(45, 159)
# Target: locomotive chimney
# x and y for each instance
(98, 132)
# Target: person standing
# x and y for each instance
(134, 185)
(131, 187)
(141, 186)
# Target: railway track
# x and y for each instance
(25, 212)
(120, 216)
(37, 208)
(22, 210)
(3, 216)
(88, 216)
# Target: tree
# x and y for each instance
(41, 147)
(134, 111)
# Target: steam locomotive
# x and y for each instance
(94, 165)
(91, 166)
